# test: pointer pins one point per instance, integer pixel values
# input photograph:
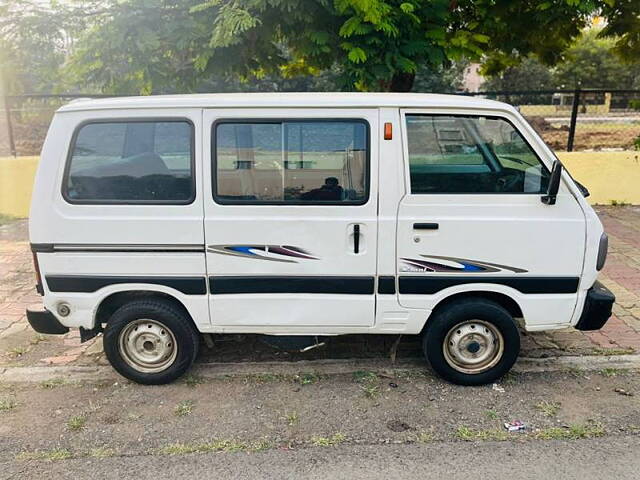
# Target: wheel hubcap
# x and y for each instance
(473, 346)
(148, 346)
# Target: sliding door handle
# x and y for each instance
(356, 238)
(425, 226)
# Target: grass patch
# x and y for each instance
(576, 372)
(192, 380)
(611, 372)
(7, 404)
(292, 418)
(370, 390)
(184, 408)
(425, 436)
(510, 378)
(4, 218)
(491, 414)
(38, 339)
(214, 446)
(471, 435)
(550, 409)
(264, 377)
(54, 383)
(54, 455)
(101, 452)
(77, 423)
(619, 203)
(332, 441)
(364, 376)
(16, 352)
(572, 432)
(307, 378)
(368, 383)
(613, 351)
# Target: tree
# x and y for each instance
(589, 63)
(379, 44)
(123, 46)
(529, 74)
(443, 79)
(32, 46)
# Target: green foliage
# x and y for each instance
(590, 64)
(530, 74)
(162, 46)
(587, 63)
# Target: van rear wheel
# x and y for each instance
(150, 341)
(471, 342)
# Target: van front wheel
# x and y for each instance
(150, 342)
(471, 342)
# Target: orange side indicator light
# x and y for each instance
(388, 131)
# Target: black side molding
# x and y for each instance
(90, 284)
(290, 284)
(427, 285)
(387, 285)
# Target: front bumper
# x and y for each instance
(597, 308)
(43, 321)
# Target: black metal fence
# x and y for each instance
(566, 119)
(579, 119)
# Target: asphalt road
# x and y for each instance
(616, 457)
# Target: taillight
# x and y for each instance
(36, 267)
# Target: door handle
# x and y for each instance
(425, 226)
(356, 238)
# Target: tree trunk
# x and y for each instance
(402, 82)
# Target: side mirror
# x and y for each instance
(554, 184)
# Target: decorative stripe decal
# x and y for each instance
(428, 285)
(273, 253)
(290, 284)
(90, 284)
(453, 264)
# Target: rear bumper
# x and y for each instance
(43, 321)
(597, 308)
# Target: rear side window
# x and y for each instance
(471, 154)
(131, 162)
(291, 162)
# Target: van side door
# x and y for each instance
(291, 218)
(472, 218)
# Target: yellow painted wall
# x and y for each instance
(609, 176)
(16, 184)
(565, 111)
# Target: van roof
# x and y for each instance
(284, 100)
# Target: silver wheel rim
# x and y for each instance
(473, 346)
(148, 346)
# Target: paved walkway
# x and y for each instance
(19, 345)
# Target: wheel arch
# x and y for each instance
(109, 304)
(505, 301)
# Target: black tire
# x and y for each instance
(161, 313)
(442, 323)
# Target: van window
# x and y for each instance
(471, 154)
(291, 162)
(131, 162)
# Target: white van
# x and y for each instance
(307, 215)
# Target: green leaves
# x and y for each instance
(357, 55)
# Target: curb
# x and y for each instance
(322, 367)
